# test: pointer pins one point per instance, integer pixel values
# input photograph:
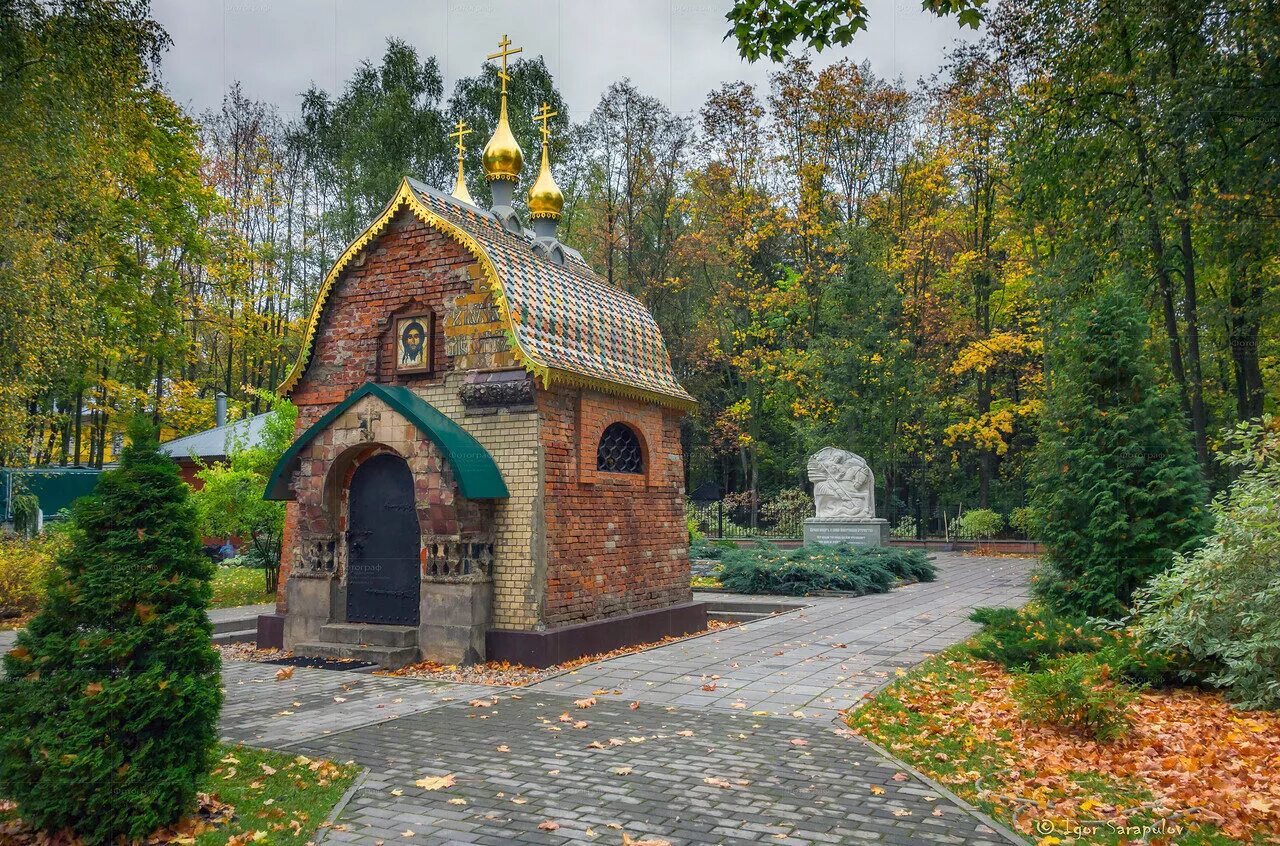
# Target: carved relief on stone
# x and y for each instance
(458, 561)
(497, 389)
(318, 556)
(369, 418)
(843, 485)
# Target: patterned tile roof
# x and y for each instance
(568, 324)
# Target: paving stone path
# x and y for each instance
(819, 660)
(261, 710)
(732, 765)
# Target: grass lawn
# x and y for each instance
(953, 718)
(277, 798)
(234, 586)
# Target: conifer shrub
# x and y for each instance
(767, 569)
(109, 706)
(1030, 637)
(1079, 693)
(1116, 488)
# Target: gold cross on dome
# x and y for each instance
(502, 53)
(461, 133)
(545, 114)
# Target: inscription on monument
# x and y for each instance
(831, 534)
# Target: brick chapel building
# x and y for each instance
(488, 462)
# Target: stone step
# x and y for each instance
(239, 636)
(763, 607)
(236, 624)
(369, 634)
(389, 657)
(737, 616)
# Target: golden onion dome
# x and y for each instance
(545, 197)
(503, 157)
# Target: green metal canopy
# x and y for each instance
(473, 466)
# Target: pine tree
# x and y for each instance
(109, 707)
(1115, 481)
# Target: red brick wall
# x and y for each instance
(409, 267)
(616, 542)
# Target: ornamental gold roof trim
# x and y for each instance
(564, 324)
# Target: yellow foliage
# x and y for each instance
(981, 355)
(24, 566)
(990, 431)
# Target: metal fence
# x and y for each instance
(777, 521)
(719, 519)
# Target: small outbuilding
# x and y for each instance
(488, 460)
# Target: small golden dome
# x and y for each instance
(503, 157)
(545, 198)
(460, 191)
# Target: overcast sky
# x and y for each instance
(672, 49)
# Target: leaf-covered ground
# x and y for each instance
(1193, 768)
(515, 675)
(235, 586)
(252, 796)
(501, 673)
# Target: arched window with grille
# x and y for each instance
(620, 450)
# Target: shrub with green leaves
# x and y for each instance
(26, 512)
(24, 568)
(230, 501)
(109, 706)
(1219, 606)
(695, 532)
(978, 524)
(769, 570)
(1077, 692)
(1023, 520)
(1115, 483)
(1030, 637)
(786, 504)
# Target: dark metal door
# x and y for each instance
(383, 540)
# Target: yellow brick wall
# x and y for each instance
(512, 440)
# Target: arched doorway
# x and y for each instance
(383, 544)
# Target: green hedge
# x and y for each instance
(770, 570)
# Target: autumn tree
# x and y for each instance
(101, 209)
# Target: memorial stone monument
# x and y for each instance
(845, 498)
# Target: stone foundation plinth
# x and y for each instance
(555, 646)
(455, 617)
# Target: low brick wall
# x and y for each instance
(998, 547)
